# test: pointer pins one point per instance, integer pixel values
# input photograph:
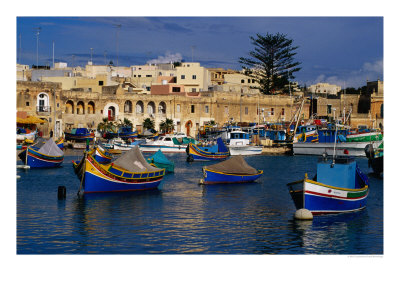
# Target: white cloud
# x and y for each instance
(168, 58)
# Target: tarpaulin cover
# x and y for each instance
(234, 165)
(133, 161)
(50, 148)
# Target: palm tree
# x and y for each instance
(167, 126)
(148, 123)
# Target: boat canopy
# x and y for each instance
(133, 161)
(221, 146)
(159, 157)
(234, 165)
(50, 148)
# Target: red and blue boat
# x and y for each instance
(214, 152)
(233, 170)
(130, 172)
(339, 186)
(43, 155)
(79, 135)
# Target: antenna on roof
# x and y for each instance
(118, 26)
(38, 29)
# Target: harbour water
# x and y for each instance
(183, 217)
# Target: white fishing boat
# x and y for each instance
(239, 144)
(167, 144)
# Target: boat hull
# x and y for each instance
(347, 148)
(78, 138)
(197, 154)
(324, 199)
(212, 177)
(98, 180)
(164, 148)
(36, 159)
(245, 150)
(102, 156)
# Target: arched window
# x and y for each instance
(90, 108)
(162, 108)
(69, 107)
(80, 108)
(151, 108)
(139, 107)
(43, 103)
(111, 113)
(128, 106)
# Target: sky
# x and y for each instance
(346, 51)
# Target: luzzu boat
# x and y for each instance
(123, 133)
(233, 170)
(130, 172)
(214, 152)
(43, 155)
(101, 155)
(339, 186)
(79, 135)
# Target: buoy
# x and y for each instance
(303, 214)
(62, 192)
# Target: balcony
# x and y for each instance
(43, 110)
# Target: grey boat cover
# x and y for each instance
(133, 161)
(234, 165)
(50, 148)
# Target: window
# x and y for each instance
(192, 109)
(176, 89)
(148, 76)
(283, 111)
(193, 76)
(272, 111)
(246, 110)
(206, 110)
(27, 103)
(248, 80)
(193, 90)
(139, 76)
(329, 109)
(178, 108)
(253, 81)
(242, 81)
(101, 82)
(182, 76)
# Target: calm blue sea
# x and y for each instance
(183, 217)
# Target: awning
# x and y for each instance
(30, 120)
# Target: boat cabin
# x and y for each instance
(239, 138)
(340, 174)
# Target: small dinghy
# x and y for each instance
(161, 161)
(233, 170)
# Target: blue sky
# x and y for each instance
(342, 50)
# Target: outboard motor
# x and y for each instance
(369, 151)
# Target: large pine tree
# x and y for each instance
(271, 63)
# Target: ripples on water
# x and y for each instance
(182, 216)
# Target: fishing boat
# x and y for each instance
(79, 135)
(232, 170)
(60, 143)
(339, 186)
(364, 136)
(375, 158)
(167, 144)
(161, 161)
(326, 144)
(44, 154)
(306, 134)
(101, 155)
(213, 152)
(129, 172)
(24, 134)
(239, 144)
(119, 144)
(123, 133)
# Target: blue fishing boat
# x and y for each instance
(123, 133)
(161, 161)
(101, 155)
(339, 186)
(79, 135)
(233, 170)
(130, 172)
(44, 154)
(214, 152)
